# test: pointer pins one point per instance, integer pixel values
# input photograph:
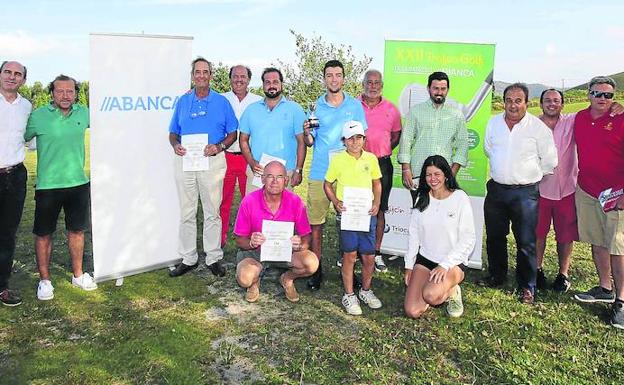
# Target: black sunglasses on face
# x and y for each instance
(600, 94)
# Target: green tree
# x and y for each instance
(83, 93)
(220, 78)
(303, 81)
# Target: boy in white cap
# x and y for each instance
(355, 168)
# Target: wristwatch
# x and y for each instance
(222, 146)
(298, 170)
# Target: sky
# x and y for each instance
(549, 42)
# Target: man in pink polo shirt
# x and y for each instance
(273, 202)
(556, 201)
(382, 136)
(600, 145)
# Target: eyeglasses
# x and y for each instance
(196, 114)
(600, 94)
(271, 178)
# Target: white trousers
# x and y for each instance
(207, 186)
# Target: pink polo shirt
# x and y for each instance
(600, 146)
(253, 209)
(382, 119)
(562, 182)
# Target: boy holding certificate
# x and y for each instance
(356, 198)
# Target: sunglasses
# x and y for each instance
(600, 94)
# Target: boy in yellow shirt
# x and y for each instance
(358, 169)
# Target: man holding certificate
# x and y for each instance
(202, 127)
(272, 229)
(356, 200)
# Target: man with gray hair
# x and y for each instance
(202, 111)
(384, 131)
(600, 144)
(14, 112)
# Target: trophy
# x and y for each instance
(312, 119)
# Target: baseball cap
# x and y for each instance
(352, 127)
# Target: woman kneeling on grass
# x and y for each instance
(441, 237)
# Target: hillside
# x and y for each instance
(535, 89)
(619, 80)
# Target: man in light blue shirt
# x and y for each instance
(333, 110)
(202, 111)
(273, 126)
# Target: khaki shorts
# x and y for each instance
(318, 204)
(597, 227)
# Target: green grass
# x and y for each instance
(198, 329)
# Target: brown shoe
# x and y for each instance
(527, 297)
(290, 290)
(253, 292)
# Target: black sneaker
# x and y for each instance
(561, 284)
(492, 281)
(617, 314)
(217, 269)
(596, 294)
(10, 298)
(540, 280)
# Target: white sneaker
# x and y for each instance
(85, 282)
(369, 298)
(351, 304)
(455, 305)
(380, 266)
(45, 290)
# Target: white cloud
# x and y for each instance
(19, 44)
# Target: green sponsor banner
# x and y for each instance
(407, 65)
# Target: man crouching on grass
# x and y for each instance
(358, 170)
(260, 212)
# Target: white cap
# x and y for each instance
(352, 127)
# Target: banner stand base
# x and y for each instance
(119, 282)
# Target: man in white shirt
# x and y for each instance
(239, 98)
(521, 150)
(14, 112)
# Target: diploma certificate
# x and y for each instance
(194, 159)
(277, 247)
(357, 202)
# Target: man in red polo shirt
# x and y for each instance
(272, 203)
(600, 143)
(384, 132)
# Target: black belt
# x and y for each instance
(384, 157)
(234, 152)
(514, 186)
(10, 169)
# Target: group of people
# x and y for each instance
(260, 144)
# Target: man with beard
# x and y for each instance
(521, 150)
(382, 136)
(273, 127)
(333, 109)
(432, 128)
(201, 111)
(240, 98)
(14, 112)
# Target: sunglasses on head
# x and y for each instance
(600, 94)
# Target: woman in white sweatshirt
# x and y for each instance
(441, 237)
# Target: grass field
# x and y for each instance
(198, 329)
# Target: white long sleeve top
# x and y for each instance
(443, 233)
(522, 155)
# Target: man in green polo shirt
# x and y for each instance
(432, 128)
(61, 180)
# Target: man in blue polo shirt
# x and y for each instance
(273, 126)
(202, 111)
(333, 110)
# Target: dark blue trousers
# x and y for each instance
(505, 204)
(12, 195)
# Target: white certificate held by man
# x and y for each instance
(277, 246)
(264, 160)
(357, 202)
(194, 159)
